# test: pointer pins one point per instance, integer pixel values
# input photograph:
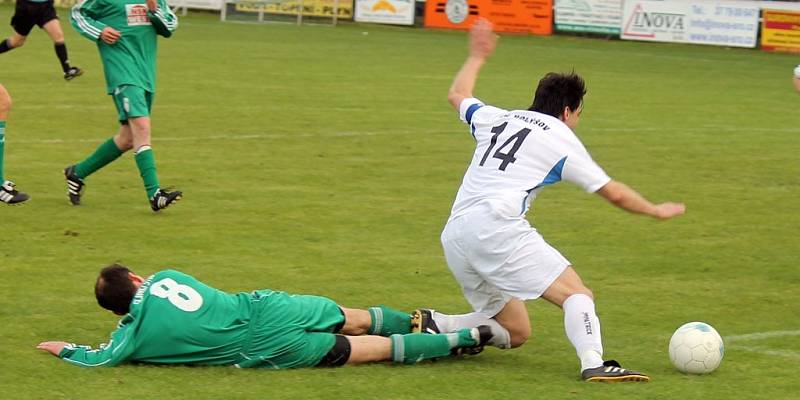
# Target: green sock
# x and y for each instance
(102, 156)
(2, 148)
(146, 162)
(415, 347)
(387, 322)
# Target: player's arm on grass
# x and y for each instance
(83, 19)
(161, 16)
(108, 354)
(622, 196)
(482, 42)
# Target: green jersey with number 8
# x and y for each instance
(176, 319)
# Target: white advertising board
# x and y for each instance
(395, 12)
(197, 4)
(716, 23)
(600, 16)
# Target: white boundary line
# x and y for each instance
(791, 354)
(228, 137)
(454, 132)
(760, 335)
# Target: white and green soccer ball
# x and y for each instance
(696, 348)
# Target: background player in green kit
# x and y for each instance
(8, 192)
(42, 13)
(125, 32)
(172, 318)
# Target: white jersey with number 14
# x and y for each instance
(517, 154)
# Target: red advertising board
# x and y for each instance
(514, 16)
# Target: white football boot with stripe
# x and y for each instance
(10, 195)
(611, 371)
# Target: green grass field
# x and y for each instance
(324, 160)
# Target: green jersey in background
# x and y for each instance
(132, 59)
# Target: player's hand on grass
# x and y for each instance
(152, 5)
(53, 348)
(482, 40)
(110, 35)
(669, 210)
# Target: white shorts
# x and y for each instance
(495, 259)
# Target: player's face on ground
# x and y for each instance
(571, 117)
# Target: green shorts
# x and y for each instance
(292, 331)
(131, 102)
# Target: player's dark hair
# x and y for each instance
(114, 289)
(558, 91)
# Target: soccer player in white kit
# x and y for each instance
(796, 79)
(496, 256)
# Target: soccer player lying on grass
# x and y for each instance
(172, 318)
(496, 256)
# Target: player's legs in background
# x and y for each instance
(22, 23)
(137, 102)
(12, 42)
(53, 29)
(5, 107)
(580, 319)
(145, 159)
(106, 153)
(8, 192)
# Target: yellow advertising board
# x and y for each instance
(311, 8)
(780, 31)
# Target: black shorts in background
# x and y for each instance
(30, 13)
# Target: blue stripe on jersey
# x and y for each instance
(472, 131)
(471, 110)
(554, 176)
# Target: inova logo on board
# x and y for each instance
(648, 23)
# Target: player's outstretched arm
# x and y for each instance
(117, 350)
(482, 42)
(161, 16)
(53, 348)
(622, 196)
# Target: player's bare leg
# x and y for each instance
(356, 322)
(514, 317)
(16, 40)
(53, 29)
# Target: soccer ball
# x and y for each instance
(696, 348)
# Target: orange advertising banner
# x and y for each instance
(780, 31)
(513, 16)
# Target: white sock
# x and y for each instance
(583, 330)
(453, 323)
